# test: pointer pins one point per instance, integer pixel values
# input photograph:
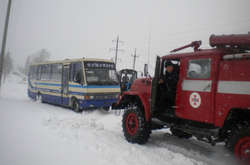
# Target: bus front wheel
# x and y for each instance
(75, 105)
(39, 98)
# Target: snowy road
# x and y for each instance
(36, 133)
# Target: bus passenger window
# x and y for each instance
(39, 72)
(76, 73)
(45, 72)
(32, 71)
(56, 72)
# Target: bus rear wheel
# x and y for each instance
(75, 105)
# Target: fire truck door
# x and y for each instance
(196, 93)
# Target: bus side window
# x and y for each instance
(56, 72)
(76, 73)
(50, 72)
(31, 70)
(45, 72)
(42, 72)
(34, 72)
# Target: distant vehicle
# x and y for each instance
(126, 78)
(210, 99)
(76, 83)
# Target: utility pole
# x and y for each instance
(116, 49)
(4, 41)
(134, 56)
(149, 46)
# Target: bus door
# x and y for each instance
(65, 85)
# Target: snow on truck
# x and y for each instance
(205, 93)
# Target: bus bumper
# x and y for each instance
(93, 104)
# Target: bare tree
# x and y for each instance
(38, 57)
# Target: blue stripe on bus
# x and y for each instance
(79, 86)
(83, 103)
(49, 84)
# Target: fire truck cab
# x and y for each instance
(211, 101)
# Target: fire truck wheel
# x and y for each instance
(239, 143)
(135, 127)
(179, 133)
(75, 105)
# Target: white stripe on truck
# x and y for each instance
(234, 87)
(197, 85)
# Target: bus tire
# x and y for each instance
(75, 105)
(39, 98)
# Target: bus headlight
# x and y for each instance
(87, 97)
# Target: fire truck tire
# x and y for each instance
(179, 133)
(135, 127)
(239, 142)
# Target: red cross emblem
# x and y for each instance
(195, 100)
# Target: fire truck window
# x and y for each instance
(199, 69)
(176, 66)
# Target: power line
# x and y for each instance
(134, 58)
(4, 41)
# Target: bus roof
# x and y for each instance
(73, 60)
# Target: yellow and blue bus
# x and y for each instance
(75, 83)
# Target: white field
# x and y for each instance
(33, 133)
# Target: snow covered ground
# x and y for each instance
(33, 133)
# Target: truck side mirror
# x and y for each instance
(145, 70)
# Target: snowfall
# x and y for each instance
(33, 133)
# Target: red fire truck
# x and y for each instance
(211, 101)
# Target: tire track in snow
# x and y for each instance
(109, 141)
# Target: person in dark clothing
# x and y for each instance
(168, 85)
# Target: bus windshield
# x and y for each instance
(101, 77)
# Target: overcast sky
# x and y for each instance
(86, 28)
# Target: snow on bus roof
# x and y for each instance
(74, 60)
